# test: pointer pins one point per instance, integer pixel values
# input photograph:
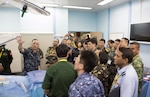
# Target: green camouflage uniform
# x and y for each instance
(101, 72)
(138, 66)
(111, 52)
(112, 68)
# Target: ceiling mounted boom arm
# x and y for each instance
(24, 10)
(36, 8)
(27, 6)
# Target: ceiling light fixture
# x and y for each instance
(48, 5)
(77, 7)
(104, 2)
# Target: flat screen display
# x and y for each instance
(140, 32)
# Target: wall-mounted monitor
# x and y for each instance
(140, 32)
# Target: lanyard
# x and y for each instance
(117, 77)
(1, 54)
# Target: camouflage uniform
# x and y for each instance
(111, 52)
(102, 73)
(107, 50)
(5, 59)
(51, 55)
(112, 68)
(138, 66)
(39, 51)
(104, 50)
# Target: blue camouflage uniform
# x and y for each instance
(86, 85)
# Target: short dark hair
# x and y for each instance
(34, 39)
(102, 40)
(79, 42)
(117, 40)
(93, 41)
(126, 39)
(103, 57)
(111, 41)
(88, 59)
(126, 53)
(62, 50)
(136, 43)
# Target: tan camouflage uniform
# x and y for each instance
(51, 51)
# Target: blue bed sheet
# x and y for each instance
(145, 89)
(22, 86)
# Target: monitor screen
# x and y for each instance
(140, 32)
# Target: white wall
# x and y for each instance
(61, 22)
(103, 23)
(119, 19)
(136, 13)
(9, 21)
(37, 23)
(82, 21)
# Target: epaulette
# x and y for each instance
(107, 49)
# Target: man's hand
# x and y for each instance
(46, 92)
(19, 40)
